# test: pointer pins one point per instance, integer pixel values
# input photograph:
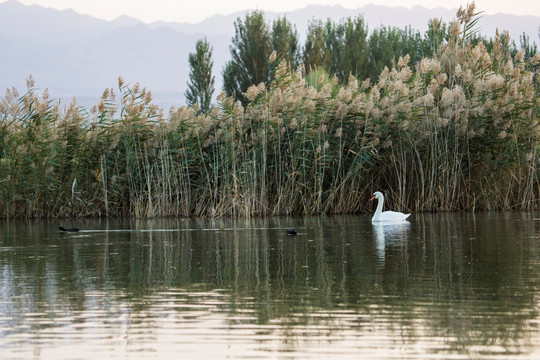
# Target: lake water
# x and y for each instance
(447, 286)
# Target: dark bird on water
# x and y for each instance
(68, 230)
(291, 232)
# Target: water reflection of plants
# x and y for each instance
(451, 278)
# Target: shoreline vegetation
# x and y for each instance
(455, 132)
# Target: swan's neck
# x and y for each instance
(378, 211)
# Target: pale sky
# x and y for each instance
(194, 11)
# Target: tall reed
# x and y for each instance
(458, 131)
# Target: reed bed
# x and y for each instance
(458, 131)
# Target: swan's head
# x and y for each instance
(377, 195)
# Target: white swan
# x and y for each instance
(386, 216)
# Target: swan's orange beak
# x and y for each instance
(373, 197)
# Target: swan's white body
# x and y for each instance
(386, 216)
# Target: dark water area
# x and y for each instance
(445, 286)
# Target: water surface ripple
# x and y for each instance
(446, 286)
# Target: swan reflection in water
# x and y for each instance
(391, 235)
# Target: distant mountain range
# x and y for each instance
(76, 55)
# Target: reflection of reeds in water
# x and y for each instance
(455, 283)
(457, 131)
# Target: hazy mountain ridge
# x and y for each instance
(375, 16)
(79, 56)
